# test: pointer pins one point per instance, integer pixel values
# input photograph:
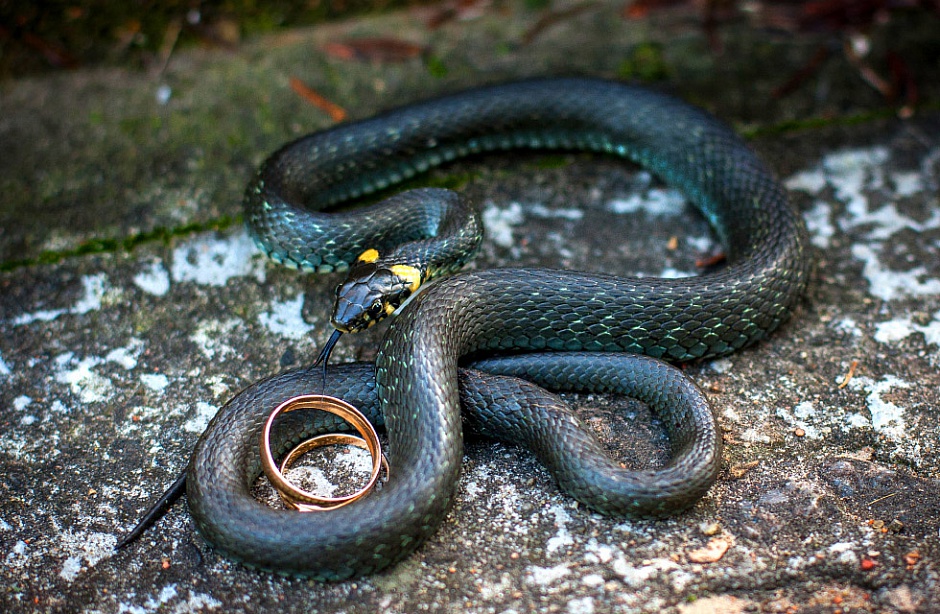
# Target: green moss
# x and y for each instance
(809, 123)
(125, 244)
(645, 63)
(503, 48)
(435, 66)
(551, 161)
(140, 127)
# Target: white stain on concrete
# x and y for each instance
(819, 223)
(857, 178)
(498, 222)
(845, 551)
(209, 336)
(851, 170)
(84, 550)
(596, 552)
(848, 325)
(157, 382)
(495, 590)
(20, 403)
(897, 329)
(211, 261)
(286, 319)
(585, 605)
(908, 183)
(94, 288)
(18, 556)
(657, 202)
(562, 538)
(540, 210)
(894, 330)
(887, 417)
(126, 356)
(169, 600)
(4, 368)
(636, 576)
(720, 365)
(890, 284)
(811, 181)
(82, 378)
(507, 500)
(200, 420)
(83, 381)
(546, 576)
(803, 416)
(153, 278)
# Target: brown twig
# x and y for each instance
(868, 73)
(800, 77)
(336, 112)
(848, 376)
(170, 38)
(553, 17)
(705, 262)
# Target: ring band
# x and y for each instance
(289, 492)
(328, 439)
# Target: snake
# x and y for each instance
(565, 330)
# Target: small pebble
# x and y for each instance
(164, 92)
(712, 552)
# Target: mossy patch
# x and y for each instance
(645, 63)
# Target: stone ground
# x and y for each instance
(133, 305)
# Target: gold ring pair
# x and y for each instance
(302, 500)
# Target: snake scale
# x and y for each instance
(598, 321)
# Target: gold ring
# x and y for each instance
(328, 439)
(294, 495)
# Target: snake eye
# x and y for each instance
(376, 309)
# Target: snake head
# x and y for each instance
(372, 291)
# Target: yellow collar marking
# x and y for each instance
(369, 256)
(409, 274)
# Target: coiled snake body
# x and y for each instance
(501, 311)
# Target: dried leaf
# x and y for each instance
(373, 49)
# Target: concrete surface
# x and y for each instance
(133, 305)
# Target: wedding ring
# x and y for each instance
(296, 497)
(330, 439)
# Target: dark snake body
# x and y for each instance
(503, 311)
